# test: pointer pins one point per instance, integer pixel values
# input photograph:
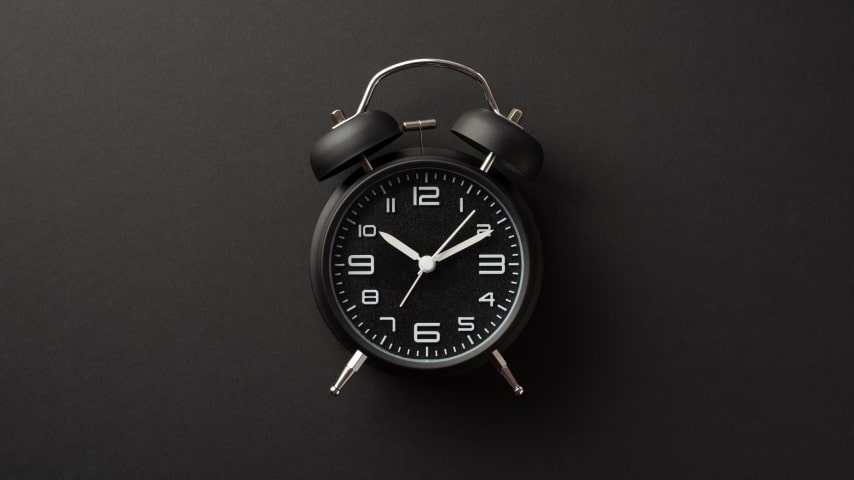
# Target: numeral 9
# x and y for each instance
(361, 264)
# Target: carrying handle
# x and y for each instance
(427, 62)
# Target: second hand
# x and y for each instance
(426, 263)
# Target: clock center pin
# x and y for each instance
(426, 264)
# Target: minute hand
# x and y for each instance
(462, 245)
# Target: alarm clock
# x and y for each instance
(426, 261)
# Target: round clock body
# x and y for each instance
(383, 284)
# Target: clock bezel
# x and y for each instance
(517, 209)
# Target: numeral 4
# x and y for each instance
(490, 264)
(425, 196)
(465, 324)
(361, 264)
(422, 334)
(487, 297)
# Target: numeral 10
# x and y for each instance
(367, 230)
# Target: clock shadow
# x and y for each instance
(560, 358)
(561, 353)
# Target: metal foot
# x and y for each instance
(352, 367)
(501, 365)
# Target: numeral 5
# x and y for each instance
(465, 324)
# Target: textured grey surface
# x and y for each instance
(156, 210)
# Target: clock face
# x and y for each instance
(424, 263)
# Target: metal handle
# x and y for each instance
(427, 62)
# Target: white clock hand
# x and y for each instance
(454, 233)
(400, 246)
(420, 272)
(428, 264)
(463, 245)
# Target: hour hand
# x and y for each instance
(463, 245)
(400, 246)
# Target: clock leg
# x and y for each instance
(501, 365)
(352, 367)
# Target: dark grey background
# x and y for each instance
(156, 210)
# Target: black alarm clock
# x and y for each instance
(426, 261)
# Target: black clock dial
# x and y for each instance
(425, 263)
